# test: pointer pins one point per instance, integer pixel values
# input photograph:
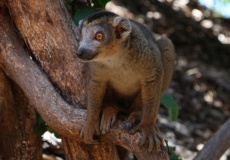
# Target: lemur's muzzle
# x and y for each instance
(85, 54)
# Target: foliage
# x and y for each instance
(82, 13)
(173, 108)
(42, 127)
(87, 10)
(217, 13)
(171, 152)
(225, 1)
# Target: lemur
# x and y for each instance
(128, 70)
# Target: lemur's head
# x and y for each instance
(101, 34)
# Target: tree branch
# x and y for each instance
(50, 35)
(18, 66)
(217, 145)
(58, 114)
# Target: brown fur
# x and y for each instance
(127, 71)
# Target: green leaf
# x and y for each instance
(171, 152)
(40, 130)
(173, 108)
(171, 149)
(40, 120)
(100, 4)
(175, 157)
(225, 1)
(173, 114)
(217, 13)
(86, 11)
(57, 135)
(168, 101)
(41, 127)
(81, 14)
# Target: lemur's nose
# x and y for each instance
(85, 54)
(80, 52)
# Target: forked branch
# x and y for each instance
(59, 115)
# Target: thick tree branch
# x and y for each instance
(58, 114)
(50, 35)
(217, 145)
(73, 150)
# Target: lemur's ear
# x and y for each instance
(122, 27)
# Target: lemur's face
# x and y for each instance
(93, 39)
(101, 35)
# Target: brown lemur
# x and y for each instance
(128, 70)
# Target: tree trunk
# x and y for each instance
(49, 34)
(18, 120)
(55, 53)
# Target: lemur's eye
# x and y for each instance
(99, 36)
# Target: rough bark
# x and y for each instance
(217, 144)
(49, 34)
(58, 114)
(75, 151)
(17, 46)
(16, 63)
(18, 120)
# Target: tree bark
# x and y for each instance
(50, 35)
(17, 47)
(18, 120)
(217, 144)
(39, 25)
(74, 151)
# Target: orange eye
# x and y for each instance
(99, 36)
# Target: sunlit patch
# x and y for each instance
(194, 71)
(225, 155)
(224, 39)
(155, 15)
(140, 20)
(47, 136)
(209, 97)
(177, 4)
(182, 62)
(197, 14)
(217, 103)
(207, 23)
(200, 87)
(122, 11)
(199, 146)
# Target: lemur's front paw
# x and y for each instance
(108, 119)
(88, 131)
(134, 118)
(151, 134)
